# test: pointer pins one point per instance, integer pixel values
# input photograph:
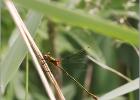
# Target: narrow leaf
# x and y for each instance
(129, 87)
(83, 20)
(16, 53)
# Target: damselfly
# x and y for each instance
(56, 62)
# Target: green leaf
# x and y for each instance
(83, 20)
(124, 89)
(17, 51)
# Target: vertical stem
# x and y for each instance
(88, 76)
(52, 36)
(131, 94)
(0, 36)
(27, 77)
(52, 40)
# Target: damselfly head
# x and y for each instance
(57, 62)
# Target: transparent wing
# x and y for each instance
(78, 57)
(75, 64)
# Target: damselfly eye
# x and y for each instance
(44, 56)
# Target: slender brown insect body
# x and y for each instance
(56, 62)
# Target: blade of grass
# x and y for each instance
(129, 87)
(108, 68)
(27, 77)
(84, 20)
(17, 50)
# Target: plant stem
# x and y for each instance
(27, 77)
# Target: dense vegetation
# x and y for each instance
(105, 29)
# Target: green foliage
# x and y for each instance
(84, 20)
(17, 50)
(100, 35)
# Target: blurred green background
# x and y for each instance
(65, 33)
